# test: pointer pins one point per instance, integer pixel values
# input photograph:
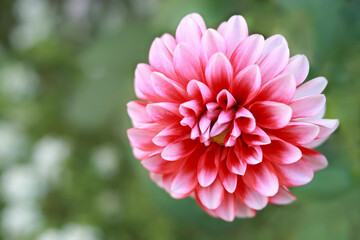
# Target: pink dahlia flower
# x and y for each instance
(226, 118)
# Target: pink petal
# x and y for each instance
(227, 178)
(226, 116)
(170, 134)
(141, 138)
(225, 99)
(257, 137)
(161, 59)
(211, 196)
(226, 210)
(163, 112)
(137, 112)
(271, 43)
(247, 52)
(235, 164)
(327, 126)
(143, 87)
(191, 108)
(295, 174)
(190, 30)
(246, 84)
(250, 154)
(211, 43)
(158, 165)
(299, 67)
(207, 169)
(282, 197)
(169, 42)
(270, 114)
(251, 198)
(307, 106)
(297, 133)
(280, 89)
(218, 72)
(199, 91)
(281, 152)
(218, 128)
(243, 211)
(187, 64)
(316, 159)
(184, 181)
(179, 150)
(274, 62)
(245, 120)
(262, 178)
(167, 88)
(234, 32)
(312, 87)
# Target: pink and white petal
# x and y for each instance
(251, 198)
(282, 197)
(207, 168)
(243, 211)
(307, 106)
(245, 120)
(218, 72)
(295, 174)
(251, 154)
(281, 152)
(257, 137)
(141, 138)
(227, 178)
(316, 159)
(187, 64)
(299, 67)
(312, 87)
(297, 133)
(143, 87)
(167, 88)
(211, 196)
(262, 178)
(211, 43)
(179, 149)
(327, 126)
(274, 62)
(137, 112)
(157, 164)
(191, 108)
(200, 91)
(226, 210)
(271, 43)
(246, 84)
(315, 143)
(218, 128)
(169, 42)
(164, 112)
(234, 32)
(184, 181)
(161, 59)
(272, 115)
(235, 164)
(170, 134)
(280, 89)
(190, 30)
(226, 116)
(225, 99)
(247, 52)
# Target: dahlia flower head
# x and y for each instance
(225, 117)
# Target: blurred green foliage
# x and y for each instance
(66, 74)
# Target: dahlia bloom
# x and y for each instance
(226, 118)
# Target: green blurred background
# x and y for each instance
(66, 74)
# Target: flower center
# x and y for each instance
(220, 139)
